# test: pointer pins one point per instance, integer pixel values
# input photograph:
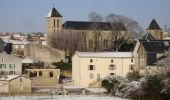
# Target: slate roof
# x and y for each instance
(85, 25)
(148, 36)
(54, 13)
(156, 46)
(154, 25)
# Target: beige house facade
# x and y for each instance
(15, 84)
(89, 67)
(10, 64)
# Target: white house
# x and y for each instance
(88, 67)
(10, 64)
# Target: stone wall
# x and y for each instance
(44, 77)
(43, 53)
(20, 85)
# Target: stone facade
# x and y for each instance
(18, 49)
(53, 24)
(10, 64)
(88, 41)
(16, 84)
(90, 36)
(44, 77)
(43, 53)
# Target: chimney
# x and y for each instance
(161, 36)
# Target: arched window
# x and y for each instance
(90, 43)
(58, 23)
(103, 42)
(106, 43)
(54, 22)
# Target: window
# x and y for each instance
(131, 60)
(51, 74)
(105, 43)
(91, 76)
(54, 22)
(58, 23)
(111, 60)
(98, 76)
(90, 43)
(11, 72)
(112, 73)
(40, 73)
(20, 79)
(11, 66)
(2, 66)
(112, 67)
(2, 59)
(91, 60)
(35, 74)
(91, 67)
(131, 67)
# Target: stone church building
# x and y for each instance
(150, 50)
(89, 36)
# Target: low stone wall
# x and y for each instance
(44, 77)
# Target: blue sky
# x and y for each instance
(29, 15)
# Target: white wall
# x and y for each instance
(9, 59)
(81, 73)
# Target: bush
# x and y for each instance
(133, 76)
(63, 66)
(107, 85)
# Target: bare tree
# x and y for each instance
(95, 17)
(119, 36)
(131, 25)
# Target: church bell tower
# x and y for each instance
(53, 24)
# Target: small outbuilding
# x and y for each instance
(15, 84)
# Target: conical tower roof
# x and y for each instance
(154, 25)
(53, 13)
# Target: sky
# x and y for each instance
(29, 15)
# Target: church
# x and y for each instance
(84, 35)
